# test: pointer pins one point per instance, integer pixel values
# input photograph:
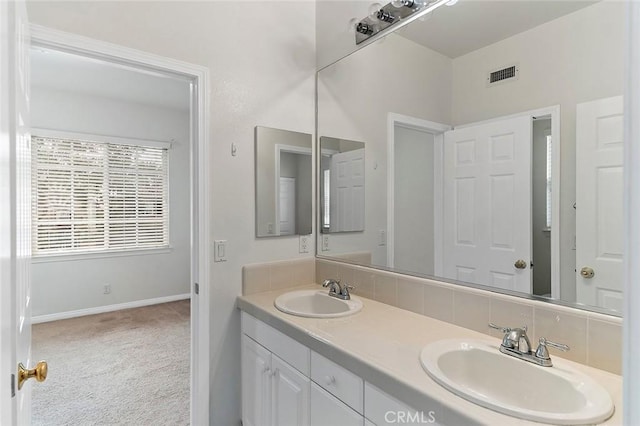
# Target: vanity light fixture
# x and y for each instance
(397, 12)
(366, 29)
(385, 16)
(403, 3)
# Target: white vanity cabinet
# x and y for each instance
(275, 377)
(284, 383)
(289, 394)
(383, 409)
(256, 383)
(337, 395)
(273, 392)
(327, 410)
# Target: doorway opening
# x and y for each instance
(177, 102)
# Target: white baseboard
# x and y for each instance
(107, 308)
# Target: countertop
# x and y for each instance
(382, 344)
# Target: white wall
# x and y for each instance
(60, 285)
(262, 61)
(355, 96)
(573, 59)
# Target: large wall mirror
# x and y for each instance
(283, 182)
(493, 154)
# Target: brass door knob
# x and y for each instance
(587, 272)
(520, 264)
(39, 372)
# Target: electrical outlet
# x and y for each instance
(304, 243)
(107, 289)
(325, 243)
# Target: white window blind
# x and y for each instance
(94, 196)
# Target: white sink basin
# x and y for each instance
(316, 304)
(476, 371)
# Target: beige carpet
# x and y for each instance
(126, 367)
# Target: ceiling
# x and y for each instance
(57, 70)
(472, 24)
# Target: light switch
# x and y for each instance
(382, 237)
(220, 251)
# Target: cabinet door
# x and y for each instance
(327, 410)
(256, 374)
(289, 395)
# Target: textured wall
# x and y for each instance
(261, 57)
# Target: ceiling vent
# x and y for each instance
(502, 75)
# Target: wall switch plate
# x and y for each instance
(220, 250)
(325, 243)
(304, 241)
(382, 237)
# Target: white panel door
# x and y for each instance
(15, 212)
(256, 374)
(599, 195)
(287, 206)
(347, 191)
(289, 395)
(487, 203)
(327, 410)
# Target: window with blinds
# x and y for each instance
(95, 196)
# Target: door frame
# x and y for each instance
(426, 126)
(200, 185)
(631, 323)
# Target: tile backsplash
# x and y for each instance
(595, 339)
(259, 277)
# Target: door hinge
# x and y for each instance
(13, 385)
(197, 288)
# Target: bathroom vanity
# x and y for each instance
(362, 369)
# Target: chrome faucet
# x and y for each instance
(338, 290)
(516, 343)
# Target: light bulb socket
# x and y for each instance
(364, 28)
(385, 16)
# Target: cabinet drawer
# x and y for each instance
(338, 381)
(327, 410)
(285, 347)
(383, 409)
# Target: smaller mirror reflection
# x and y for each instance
(341, 185)
(283, 182)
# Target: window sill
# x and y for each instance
(44, 258)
